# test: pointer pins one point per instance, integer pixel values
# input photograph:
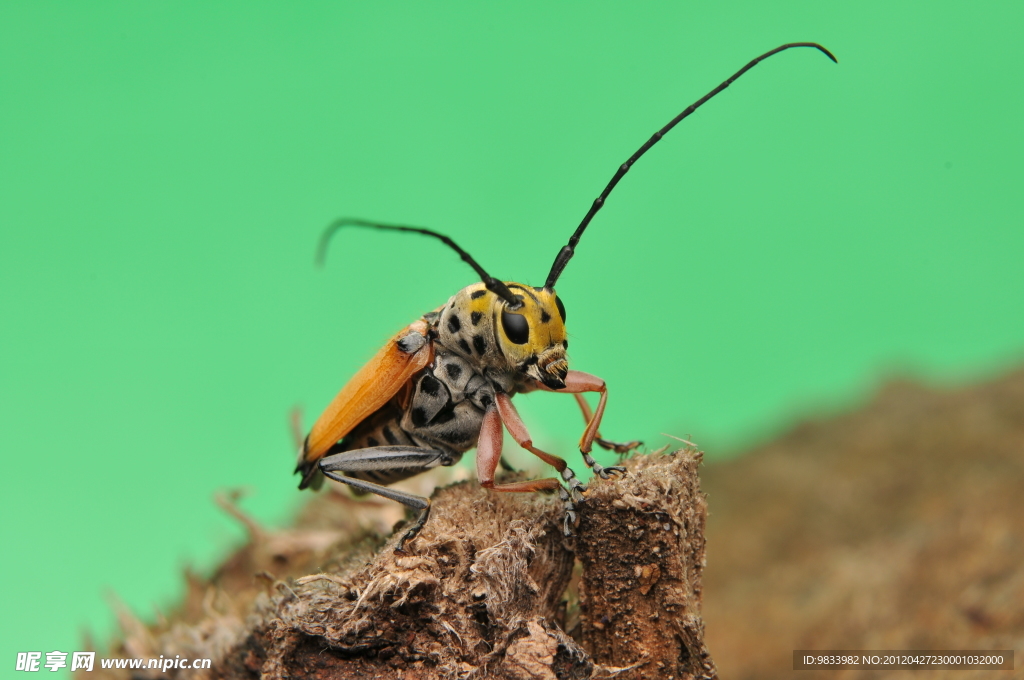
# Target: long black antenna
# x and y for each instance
(493, 284)
(566, 253)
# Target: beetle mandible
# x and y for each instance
(444, 384)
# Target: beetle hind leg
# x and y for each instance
(376, 463)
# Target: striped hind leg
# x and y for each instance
(369, 462)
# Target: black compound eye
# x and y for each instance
(561, 308)
(517, 328)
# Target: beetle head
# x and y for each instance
(532, 337)
(527, 337)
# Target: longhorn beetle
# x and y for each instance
(444, 384)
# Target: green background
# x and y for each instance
(166, 169)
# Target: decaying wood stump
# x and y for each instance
(487, 590)
(642, 550)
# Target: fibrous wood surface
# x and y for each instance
(643, 560)
(897, 526)
(483, 591)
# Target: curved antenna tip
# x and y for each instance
(567, 251)
(493, 284)
(821, 48)
(325, 238)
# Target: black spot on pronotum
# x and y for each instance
(544, 316)
(565, 344)
(419, 417)
(390, 436)
(454, 371)
(479, 344)
(478, 293)
(444, 415)
(454, 325)
(371, 442)
(561, 308)
(516, 327)
(430, 385)
(475, 317)
(465, 346)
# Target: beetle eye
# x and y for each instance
(561, 308)
(517, 328)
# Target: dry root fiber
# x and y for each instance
(482, 592)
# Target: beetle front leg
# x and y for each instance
(577, 382)
(620, 448)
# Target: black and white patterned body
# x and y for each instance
(448, 399)
(444, 413)
(481, 353)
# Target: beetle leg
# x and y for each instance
(620, 448)
(517, 428)
(489, 453)
(382, 458)
(577, 382)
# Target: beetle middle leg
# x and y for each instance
(489, 453)
(383, 459)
